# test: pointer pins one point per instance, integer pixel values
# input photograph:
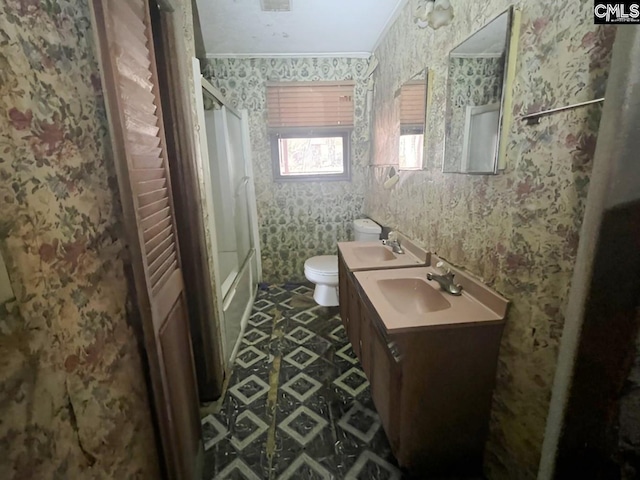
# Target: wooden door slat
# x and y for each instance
(154, 207)
(136, 96)
(129, 66)
(129, 37)
(147, 161)
(125, 14)
(143, 150)
(149, 198)
(167, 274)
(156, 229)
(151, 220)
(137, 7)
(155, 253)
(143, 140)
(157, 239)
(153, 266)
(162, 268)
(146, 187)
(137, 116)
(138, 129)
(147, 174)
(127, 45)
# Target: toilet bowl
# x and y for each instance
(323, 269)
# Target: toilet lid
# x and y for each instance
(323, 265)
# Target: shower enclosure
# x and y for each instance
(230, 211)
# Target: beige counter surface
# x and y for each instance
(360, 256)
(406, 301)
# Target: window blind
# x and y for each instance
(310, 104)
(413, 101)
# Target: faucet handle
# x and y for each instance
(443, 267)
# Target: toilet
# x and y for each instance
(323, 269)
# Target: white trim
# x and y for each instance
(251, 196)
(392, 18)
(292, 55)
(205, 173)
(244, 321)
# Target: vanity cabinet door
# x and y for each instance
(385, 384)
(353, 332)
(365, 341)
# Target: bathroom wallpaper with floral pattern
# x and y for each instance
(518, 231)
(73, 400)
(472, 81)
(297, 220)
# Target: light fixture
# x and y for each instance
(433, 13)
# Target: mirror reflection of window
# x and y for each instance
(413, 103)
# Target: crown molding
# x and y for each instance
(392, 18)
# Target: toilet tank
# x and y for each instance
(366, 230)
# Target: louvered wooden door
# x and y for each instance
(131, 89)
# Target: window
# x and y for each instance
(413, 99)
(310, 126)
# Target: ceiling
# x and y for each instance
(239, 28)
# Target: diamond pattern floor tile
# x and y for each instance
(237, 470)
(305, 467)
(249, 356)
(247, 429)
(370, 465)
(299, 335)
(301, 357)
(249, 390)
(361, 422)
(353, 381)
(316, 421)
(303, 425)
(302, 386)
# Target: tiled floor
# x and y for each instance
(298, 404)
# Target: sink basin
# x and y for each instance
(374, 253)
(412, 296)
(406, 301)
(360, 256)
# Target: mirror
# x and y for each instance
(477, 100)
(413, 102)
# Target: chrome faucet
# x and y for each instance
(446, 280)
(394, 242)
(395, 246)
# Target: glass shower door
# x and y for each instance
(232, 220)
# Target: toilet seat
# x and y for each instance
(322, 265)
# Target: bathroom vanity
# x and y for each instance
(430, 358)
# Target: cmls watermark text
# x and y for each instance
(616, 12)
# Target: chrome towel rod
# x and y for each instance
(534, 118)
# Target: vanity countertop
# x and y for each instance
(406, 301)
(374, 255)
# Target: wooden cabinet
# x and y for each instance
(386, 379)
(432, 388)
